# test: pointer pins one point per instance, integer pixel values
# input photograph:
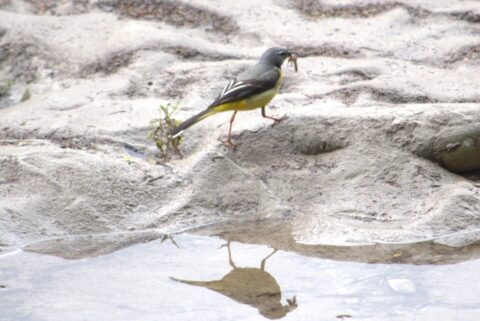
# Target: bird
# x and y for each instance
(252, 286)
(251, 89)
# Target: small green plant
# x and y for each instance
(161, 128)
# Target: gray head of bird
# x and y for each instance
(276, 56)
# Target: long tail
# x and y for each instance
(205, 284)
(191, 121)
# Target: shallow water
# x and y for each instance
(135, 283)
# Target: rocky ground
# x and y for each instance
(381, 144)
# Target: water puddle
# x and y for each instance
(196, 277)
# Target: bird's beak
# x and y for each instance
(292, 53)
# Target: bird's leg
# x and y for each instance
(229, 140)
(230, 260)
(262, 265)
(275, 120)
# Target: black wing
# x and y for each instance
(238, 90)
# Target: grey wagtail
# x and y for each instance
(253, 88)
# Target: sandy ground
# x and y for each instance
(381, 143)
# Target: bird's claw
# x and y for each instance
(278, 120)
(226, 244)
(229, 144)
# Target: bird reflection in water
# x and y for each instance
(252, 286)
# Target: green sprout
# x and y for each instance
(161, 128)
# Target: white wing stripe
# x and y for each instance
(227, 87)
(238, 83)
(236, 88)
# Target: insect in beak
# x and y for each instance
(292, 59)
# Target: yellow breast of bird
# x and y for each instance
(264, 98)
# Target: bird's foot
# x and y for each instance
(276, 120)
(229, 144)
(225, 245)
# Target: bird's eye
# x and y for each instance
(283, 53)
